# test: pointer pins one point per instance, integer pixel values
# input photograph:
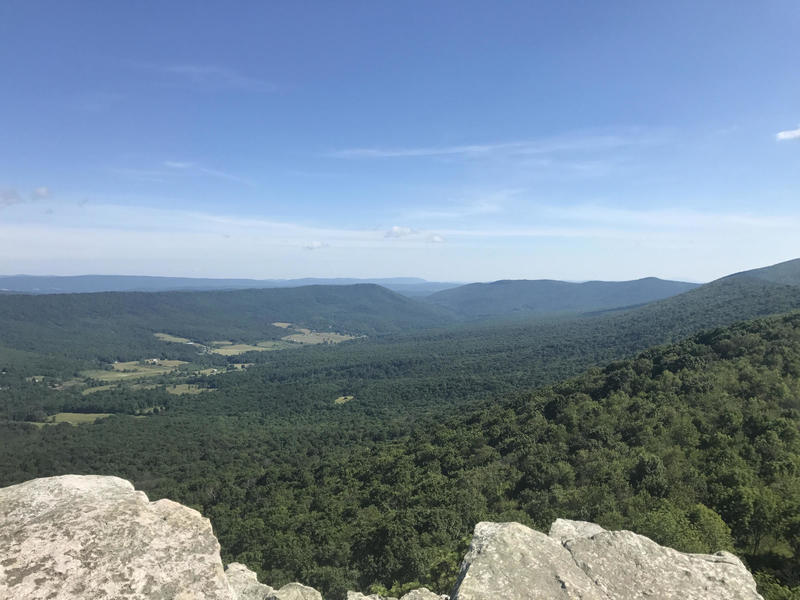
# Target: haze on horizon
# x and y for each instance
(451, 141)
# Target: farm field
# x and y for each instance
(73, 418)
(315, 337)
(226, 348)
(186, 388)
(165, 337)
(294, 335)
(133, 370)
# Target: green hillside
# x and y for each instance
(540, 297)
(120, 326)
(786, 272)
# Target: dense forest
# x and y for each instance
(696, 445)
(365, 465)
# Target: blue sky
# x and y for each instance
(447, 140)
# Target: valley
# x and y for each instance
(632, 417)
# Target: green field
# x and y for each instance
(227, 348)
(186, 388)
(133, 370)
(165, 337)
(231, 349)
(73, 418)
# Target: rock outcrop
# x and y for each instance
(579, 560)
(91, 537)
(245, 585)
(419, 594)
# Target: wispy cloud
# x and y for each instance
(667, 219)
(789, 134)
(10, 197)
(566, 143)
(191, 167)
(173, 168)
(484, 204)
(468, 150)
(209, 77)
(139, 236)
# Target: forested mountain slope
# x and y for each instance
(121, 325)
(540, 297)
(696, 445)
(787, 272)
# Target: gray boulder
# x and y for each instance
(295, 591)
(564, 529)
(91, 537)
(245, 585)
(631, 566)
(580, 560)
(514, 562)
(422, 594)
(418, 594)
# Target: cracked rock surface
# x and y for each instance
(92, 537)
(582, 561)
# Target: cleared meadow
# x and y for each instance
(73, 418)
(134, 369)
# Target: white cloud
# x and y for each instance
(316, 245)
(41, 193)
(582, 243)
(790, 134)
(398, 232)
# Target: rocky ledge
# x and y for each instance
(91, 537)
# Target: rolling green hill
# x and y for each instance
(540, 297)
(120, 326)
(787, 272)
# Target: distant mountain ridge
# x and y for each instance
(543, 296)
(47, 284)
